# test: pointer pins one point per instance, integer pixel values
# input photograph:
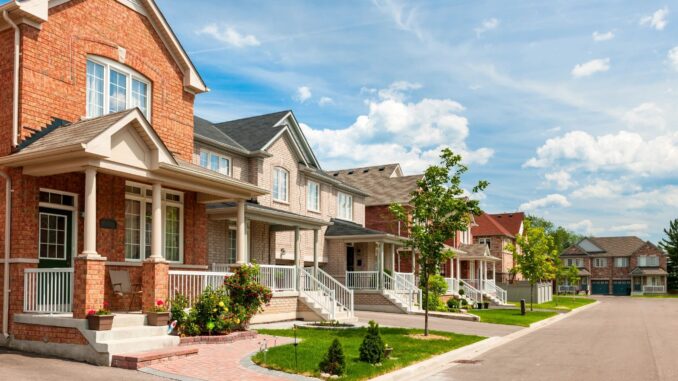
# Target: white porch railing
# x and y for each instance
(362, 280)
(343, 295)
(403, 290)
(192, 283)
(567, 289)
(452, 286)
(318, 292)
(654, 289)
(277, 277)
(497, 292)
(407, 277)
(222, 267)
(470, 292)
(48, 291)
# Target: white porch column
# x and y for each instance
(156, 224)
(458, 268)
(90, 223)
(240, 241)
(380, 263)
(472, 270)
(315, 251)
(297, 256)
(494, 271)
(414, 263)
(393, 268)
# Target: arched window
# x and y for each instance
(113, 87)
(280, 184)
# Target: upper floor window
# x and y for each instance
(599, 262)
(313, 196)
(113, 87)
(648, 261)
(215, 162)
(345, 206)
(280, 184)
(485, 241)
(579, 262)
(621, 262)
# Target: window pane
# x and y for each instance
(147, 229)
(232, 246)
(117, 92)
(95, 89)
(172, 233)
(132, 229)
(225, 166)
(140, 96)
(203, 159)
(276, 181)
(214, 163)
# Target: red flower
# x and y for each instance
(159, 303)
(91, 312)
(106, 304)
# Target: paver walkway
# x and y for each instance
(220, 362)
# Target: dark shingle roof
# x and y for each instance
(206, 129)
(255, 132)
(346, 228)
(384, 170)
(610, 246)
(382, 188)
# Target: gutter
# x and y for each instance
(5, 267)
(15, 93)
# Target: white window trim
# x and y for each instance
(600, 260)
(211, 153)
(625, 260)
(63, 256)
(340, 206)
(131, 74)
(308, 195)
(74, 213)
(149, 200)
(277, 169)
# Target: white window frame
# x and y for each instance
(579, 262)
(309, 196)
(147, 198)
(341, 211)
(232, 250)
(643, 261)
(220, 157)
(275, 192)
(485, 241)
(63, 255)
(624, 260)
(131, 74)
(74, 220)
(600, 262)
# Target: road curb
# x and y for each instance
(427, 368)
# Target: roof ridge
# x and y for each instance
(220, 132)
(252, 117)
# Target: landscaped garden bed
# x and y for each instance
(408, 347)
(512, 316)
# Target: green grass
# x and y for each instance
(512, 317)
(561, 302)
(314, 344)
(656, 296)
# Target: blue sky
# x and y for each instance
(568, 108)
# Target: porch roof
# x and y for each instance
(346, 230)
(123, 144)
(257, 212)
(476, 251)
(584, 272)
(649, 271)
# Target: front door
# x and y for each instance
(55, 238)
(350, 258)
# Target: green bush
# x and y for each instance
(334, 361)
(247, 295)
(372, 347)
(452, 303)
(437, 287)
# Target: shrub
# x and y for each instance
(452, 303)
(372, 347)
(334, 361)
(247, 296)
(211, 311)
(437, 287)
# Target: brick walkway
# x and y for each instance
(220, 361)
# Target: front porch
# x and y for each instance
(648, 280)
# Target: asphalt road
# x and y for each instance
(622, 338)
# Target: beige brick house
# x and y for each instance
(497, 231)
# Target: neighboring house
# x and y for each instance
(616, 266)
(497, 231)
(387, 185)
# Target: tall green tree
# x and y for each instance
(562, 238)
(435, 212)
(535, 255)
(670, 245)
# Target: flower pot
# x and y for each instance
(158, 318)
(100, 322)
(387, 352)
(486, 305)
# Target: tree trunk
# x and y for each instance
(531, 295)
(425, 302)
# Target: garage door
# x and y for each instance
(600, 287)
(621, 287)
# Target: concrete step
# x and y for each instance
(140, 344)
(128, 320)
(121, 333)
(142, 359)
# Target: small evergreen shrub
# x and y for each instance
(334, 361)
(452, 303)
(372, 347)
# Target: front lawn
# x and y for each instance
(656, 296)
(314, 343)
(512, 317)
(561, 302)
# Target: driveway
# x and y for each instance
(438, 324)
(622, 338)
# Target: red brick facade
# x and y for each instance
(58, 335)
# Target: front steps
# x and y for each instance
(405, 307)
(309, 298)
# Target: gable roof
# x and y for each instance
(205, 129)
(384, 170)
(487, 225)
(512, 222)
(608, 246)
(384, 183)
(255, 132)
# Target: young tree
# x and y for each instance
(670, 245)
(436, 211)
(572, 276)
(535, 255)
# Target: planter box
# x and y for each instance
(158, 318)
(100, 322)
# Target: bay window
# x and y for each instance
(139, 220)
(113, 87)
(313, 196)
(280, 184)
(345, 206)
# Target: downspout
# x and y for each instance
(15, 94)
(5, 278)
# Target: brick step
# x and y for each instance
(143, 359)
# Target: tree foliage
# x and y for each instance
(372, 347)
(436, 211)
(536, 256)
(334, 361)
(562, 238)
(670, 245)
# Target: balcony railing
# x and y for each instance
(48, 291)
(192, 283)
(362, 280)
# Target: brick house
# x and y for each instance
(386, 184)
(96, 151)
(497, 231)
(616, 266)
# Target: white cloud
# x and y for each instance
(598, 36)
(647, 117)
(623, 151)
(663, 197)
(486, 25)
(303, 94)
(229, 35)
(561, 179)
(584, 227)
(325, 101)
(673, 58)
(394, 130)
(657, 20)
(554, 199)
(591, 67)
(601, 188)
(629, 229)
